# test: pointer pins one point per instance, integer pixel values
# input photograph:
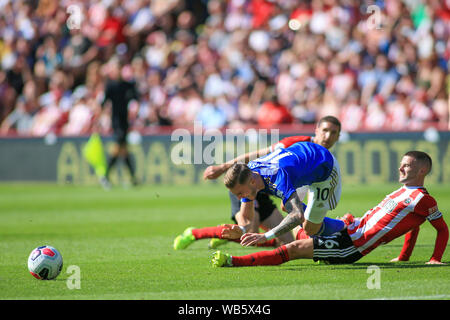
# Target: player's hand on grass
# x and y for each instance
(434, 261)
(212, 172)
(397, 260)
(251, 239)
(231, 231)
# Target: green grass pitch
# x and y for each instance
(122, 242)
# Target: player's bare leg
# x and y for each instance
(300, 249)
(311, 228)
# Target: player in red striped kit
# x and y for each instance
(401, 211)
(266, 215)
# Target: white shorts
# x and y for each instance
(322, 196)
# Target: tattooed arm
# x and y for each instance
(294, 218)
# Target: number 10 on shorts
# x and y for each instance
(322, 194)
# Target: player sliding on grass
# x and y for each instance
(402, 210)
(266, 214)
(283, 173)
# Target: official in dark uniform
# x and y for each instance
(119, 93)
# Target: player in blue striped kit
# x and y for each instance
(290, 174)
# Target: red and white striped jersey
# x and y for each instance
(401, 211)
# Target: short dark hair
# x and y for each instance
(330, 119)
(238, 173)
(421, 157)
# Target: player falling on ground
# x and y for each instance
(285, 173)
(399, 212)
(266, 215)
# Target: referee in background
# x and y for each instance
(119, 93)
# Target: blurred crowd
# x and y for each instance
(374, 64)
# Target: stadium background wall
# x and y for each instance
(363, 157)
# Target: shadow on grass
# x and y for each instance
(393, 265)
(365, 265)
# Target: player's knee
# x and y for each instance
(294, 248)
(311, 228)
(300, 249)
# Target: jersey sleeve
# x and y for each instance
(408, 244)
(285, 185)
(434, 213)
(441, 239)
(427, 207)
(134, 94)
(288, 141)
(106, 95)
(287, 196)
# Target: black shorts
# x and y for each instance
(335, 249)
(263, 204)
(120, 135)
(120, 129)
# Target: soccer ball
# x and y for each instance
(45, 263)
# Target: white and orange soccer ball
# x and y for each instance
(45, 263)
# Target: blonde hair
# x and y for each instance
(238, 173)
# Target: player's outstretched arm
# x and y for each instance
(408, 245)
(214, 172)
(441, 240)
(294, 218)
(245, 218)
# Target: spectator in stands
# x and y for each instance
(272, 113)
(79, 120)
(313, 54)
